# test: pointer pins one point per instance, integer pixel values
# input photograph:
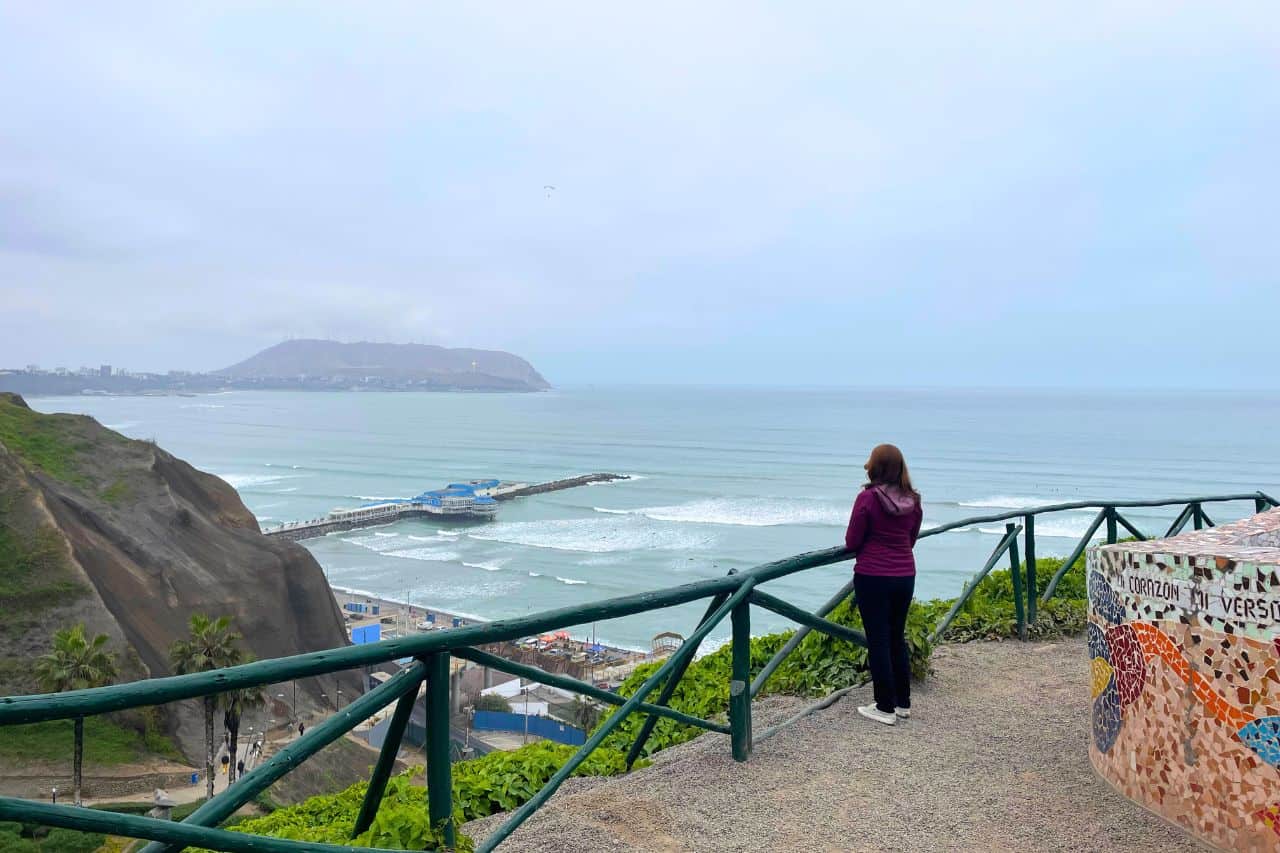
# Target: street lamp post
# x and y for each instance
(525, 690)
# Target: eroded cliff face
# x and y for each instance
(129, 539)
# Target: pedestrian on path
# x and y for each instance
(882, 532)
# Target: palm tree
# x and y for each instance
(584, 714)
(211, 645)
(74, 664)
(234, 703)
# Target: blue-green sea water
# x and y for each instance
(722, 478)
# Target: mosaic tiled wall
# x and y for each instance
(1184, 636)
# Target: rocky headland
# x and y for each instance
(130, 540)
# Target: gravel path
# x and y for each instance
(995, 758)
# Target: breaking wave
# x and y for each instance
(240, 481)
(379, 542)
(592, 535)
(1007, 502)
(744, 512)
(430, 555)
(1064, 528)
(488, 567)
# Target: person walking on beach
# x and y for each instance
(883, 529)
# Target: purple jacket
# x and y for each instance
(883, 528)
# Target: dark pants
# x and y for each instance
(883, 603)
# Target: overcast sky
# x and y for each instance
(878, 193)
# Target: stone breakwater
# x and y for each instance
(1185, 678)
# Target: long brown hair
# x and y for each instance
(887, 467)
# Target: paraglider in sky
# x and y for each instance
(549, 189)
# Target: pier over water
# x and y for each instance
(472, 500)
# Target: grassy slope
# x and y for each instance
(105, 743)
(35, 577)
(51, 444)
(34, 574)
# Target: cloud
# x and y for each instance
(743, 190)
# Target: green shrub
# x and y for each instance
(497, 782)
(989, 613)
(13, 844)
(10, 827)
(71, 841)
(493, 702)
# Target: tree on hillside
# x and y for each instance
(74, 664)
(234, 703)
(585, 714)
(212, 644)
(492, 702)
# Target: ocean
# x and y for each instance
(721, 478)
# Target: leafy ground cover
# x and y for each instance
(27, 838)
(989, 613)
(497, 782)
(33, 838)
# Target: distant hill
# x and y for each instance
(421, 364)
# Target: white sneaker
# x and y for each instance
(902, 713)
(871, 712)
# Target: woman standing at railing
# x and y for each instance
(883, 528)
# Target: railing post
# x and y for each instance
(1112, 534)
(740, 682)
(1179, 522)
(1029, 525)
(1015, 572)
(439, 772)
(1197, 516)
(386, 762)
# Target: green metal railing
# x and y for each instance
(729, 597)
